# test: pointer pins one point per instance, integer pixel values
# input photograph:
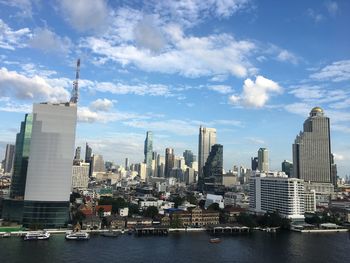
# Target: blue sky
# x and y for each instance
(251, 69)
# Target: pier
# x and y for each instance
(151, 231)
(227, 229)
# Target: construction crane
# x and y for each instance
(75, 90)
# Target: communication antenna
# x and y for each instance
(75, 90)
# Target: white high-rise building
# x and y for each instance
(276, 192)
(207, 138)
(263, 160)
(49, 174)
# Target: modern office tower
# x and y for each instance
(142, 171)
(9, 158)
(287, 168)
(312, 149)
(255, 162)
(263, 160)
(148, 151)
(169, 161)
(189, 157)
(80, 176)
(189, 175)
(98, 165)
(127, 164)
(22, 150)
(207, 138)
(88, 153)
(77, 153)
(49, 175)
(160, 165)
(277, 193)
(213, 168)
(334, 171)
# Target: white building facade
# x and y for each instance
(275, 192)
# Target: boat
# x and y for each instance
(5, 234)
(77, 235)
(215, 240)
(37, 235)
(110, 234)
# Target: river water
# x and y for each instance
(282, 247)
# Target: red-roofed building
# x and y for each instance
(107, 210)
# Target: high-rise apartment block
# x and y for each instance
(169, 161)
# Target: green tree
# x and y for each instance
(247, 220)
(175, 222)
(192, 199)
(214, 207)
(178, 201)
(78, 217)
(115, 202)
(133, 209)
(151, 212)
(100, 212)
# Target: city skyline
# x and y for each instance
(246, 77)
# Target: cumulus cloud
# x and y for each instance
(33, 88)
(85, 114)
(332, 8)
(101, 105)
(85, 15)
(188, 56)
(25, 6)
(223, 89)
(285, 55)
(48, 41)
(256, 93)
(314, 15)
(12, 39)
(336, 72)
(148, 35)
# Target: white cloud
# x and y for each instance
(119, 88)
(101, 105)
(332, 8)
(85, 15)
(148, 35)
(48, 41)
(188, 56)
(11, 39)
(10, 106)
(336, 72)
(338, 157)
(299, 108)
(86, 114)
(223, 89)
(285, 55)
(256, 93)
(190, 12)
(34, 88)
(255, 140)
(25, 6)
(315, 16)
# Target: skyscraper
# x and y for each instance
(287, 167)
(127, 164)
(207, 138)
(9, 157)
(213, 168)
(148, 151)
(48, 184)
(77, 153)
(98, 165)
(263, 160)
(22, 150)
(189, 157)
(255, 162)
(169, 161)
(88, 153)
(312, 149)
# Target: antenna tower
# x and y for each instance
(75, 90)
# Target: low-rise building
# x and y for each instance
(123, 212)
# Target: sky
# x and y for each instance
(251, 69)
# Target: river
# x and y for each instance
(282, 247)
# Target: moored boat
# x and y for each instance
(5, 234)
(215, 240)
(110, 234)
(77, 236)
(37, 235)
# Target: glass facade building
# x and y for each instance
(148, 151)
(213, 168)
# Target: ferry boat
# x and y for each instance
(5, 234)
(110, 234)
(77, 236)
(37, 235)
(215, 240)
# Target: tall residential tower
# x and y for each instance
(207, 138)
